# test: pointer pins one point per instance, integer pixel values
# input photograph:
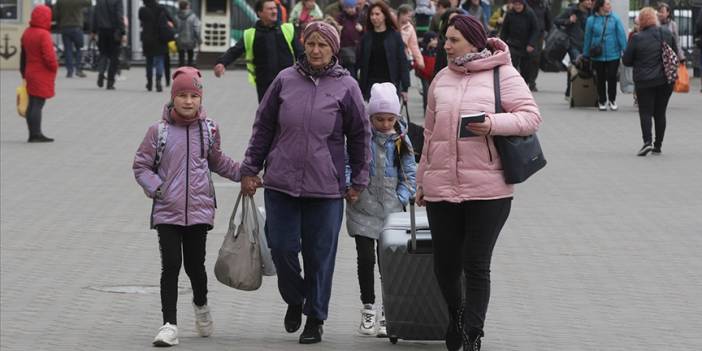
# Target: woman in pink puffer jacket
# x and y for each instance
(460, 179)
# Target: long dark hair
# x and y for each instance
(401, 146)
(597, 6)
(390, 21)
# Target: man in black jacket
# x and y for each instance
(573, 20)
(273, 49)
(543, 18)
(108, 26)
(520, 30)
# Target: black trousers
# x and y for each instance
(606, 77)
(34, 108)
(464, 235)
(181, 58)
(190, 241)
(523, 62)
(366, 253)
(653, 102)
(109, 52)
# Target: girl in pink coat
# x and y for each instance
(173, 166)
(460, 178)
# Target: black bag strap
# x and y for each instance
(404, 104)
(496, 85)
(604, 28)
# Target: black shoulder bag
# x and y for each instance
(521, 155)
(596, 50)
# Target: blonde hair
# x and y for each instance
(648, 17)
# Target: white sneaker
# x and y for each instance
(167, 335)
(602, 107)
(613, 106)
(203, 321)
(382, 329)
(368, 320)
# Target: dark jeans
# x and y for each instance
(522, 62)
(154, 63)
(191, 240)
(72, 38)
(109, 53)
(535, 62)
(463, 236)
(36, 104)
(366, 252)
(653, 103)
(606, 77)
(310, 226)
(181, 58)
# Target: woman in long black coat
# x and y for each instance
(382, 52)
(155, 34)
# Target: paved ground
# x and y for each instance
(602, 251)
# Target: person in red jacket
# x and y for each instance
(38, 65)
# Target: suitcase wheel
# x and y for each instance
(393, 340)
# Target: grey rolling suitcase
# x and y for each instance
(414, 306)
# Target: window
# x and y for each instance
(10, 10)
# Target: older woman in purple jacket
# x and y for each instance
(311, 114)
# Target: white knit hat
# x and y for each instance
(383, 99)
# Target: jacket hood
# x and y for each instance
(183, 14)
(500, 56)
(166, 113)
(41, 17)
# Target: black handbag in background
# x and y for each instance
(521, 156)
(596, 50)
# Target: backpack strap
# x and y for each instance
(211, 131)
(160, 143)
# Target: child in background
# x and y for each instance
(392, 183)
(173, 165)
(428, 46)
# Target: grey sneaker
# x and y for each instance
(613, 106)
(368, 320)
(203, 320)
(167, 335)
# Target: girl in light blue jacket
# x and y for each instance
(605, 41)
(392, 184)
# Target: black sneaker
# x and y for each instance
(101, 81)
(41, 138)
(645, 150)
(656, 150)
(474, 344)
(454, 339)
(312, 333)
(293, 318)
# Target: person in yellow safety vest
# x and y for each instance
(268, 47)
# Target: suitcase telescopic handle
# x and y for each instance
(413, 227)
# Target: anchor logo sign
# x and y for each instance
(8, 50)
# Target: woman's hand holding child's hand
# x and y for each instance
(352, 195)
(249, 184)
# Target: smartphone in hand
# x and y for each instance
(464, 120)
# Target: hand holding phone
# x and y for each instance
(465, 120)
